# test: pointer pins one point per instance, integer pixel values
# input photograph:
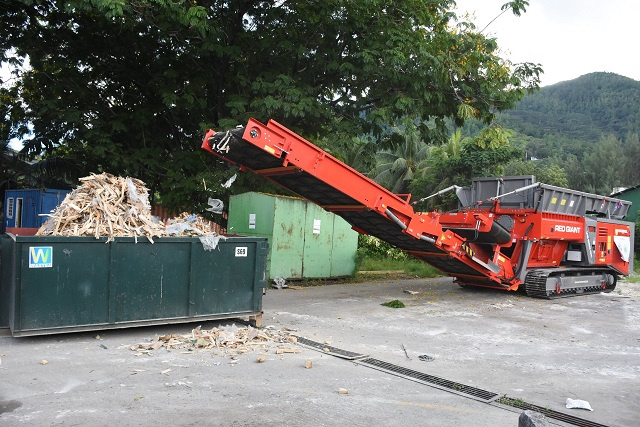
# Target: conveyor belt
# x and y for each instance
(360, 216)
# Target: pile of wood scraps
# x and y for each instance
(104, 205)
(108, 206)
(231, 341)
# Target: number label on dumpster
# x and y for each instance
(40, 257)
(241, 251)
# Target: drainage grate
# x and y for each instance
(314, 345)
(455, 387)
(569, 419)
(443, 384)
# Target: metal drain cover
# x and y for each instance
(441, 383)
(327, 349)
(549, 413)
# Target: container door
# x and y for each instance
(318, 236)
(287, 242)
(30, 217)
(345, 245)
(49, 202)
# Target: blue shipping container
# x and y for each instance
(22, 208)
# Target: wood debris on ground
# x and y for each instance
(231, 341)
(108, 206)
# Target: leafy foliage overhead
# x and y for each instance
(129, 86)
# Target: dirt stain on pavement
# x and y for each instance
(9, 405)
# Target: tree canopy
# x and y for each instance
(128, 87)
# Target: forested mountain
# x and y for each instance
(588, 126)
(584, 108)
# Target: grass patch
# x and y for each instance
(410, 266)
(631, 278)
(394, 304)
(516, 403)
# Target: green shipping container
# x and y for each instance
(66, 284)
(305, 241)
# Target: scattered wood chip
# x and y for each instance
(261, 359)
(308, 363)
(156, 345)
(44, 362)
(343, 391)
(287, 350)
(231, 341)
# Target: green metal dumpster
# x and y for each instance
(305, 241)
(65, 284)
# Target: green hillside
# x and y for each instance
(584, 108)
(587, 127)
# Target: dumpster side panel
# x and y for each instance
(7, 280)
(151, 280)
(67, 284)
(62, 284)
(224, 279)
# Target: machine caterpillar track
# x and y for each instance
(508, 233)
(565, 282)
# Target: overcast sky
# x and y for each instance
(569, 38)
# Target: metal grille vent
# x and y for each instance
(448, 385)
(324, 348)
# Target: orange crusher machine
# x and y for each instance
(508, 233)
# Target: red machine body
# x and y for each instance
(508, 232)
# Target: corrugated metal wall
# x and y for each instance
(22, 208)
(305, 241)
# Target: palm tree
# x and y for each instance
(396, 168)
(359, 153)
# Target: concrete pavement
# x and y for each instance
(539, 351)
